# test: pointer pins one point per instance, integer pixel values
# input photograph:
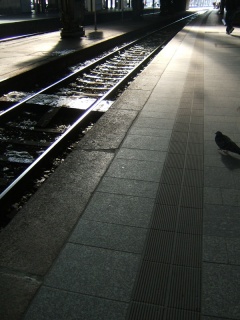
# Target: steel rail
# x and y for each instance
(91, 65)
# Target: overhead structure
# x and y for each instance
(72, 12)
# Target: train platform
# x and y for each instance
(141, 221)
(21, 56)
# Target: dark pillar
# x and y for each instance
(179, 5)
(166, 6)
(137, 6)
(72, 18)
(170, 6)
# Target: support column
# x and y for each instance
(72, 18)
(137, 6)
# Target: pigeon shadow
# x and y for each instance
(230, 161)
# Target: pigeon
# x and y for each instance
(225, 143)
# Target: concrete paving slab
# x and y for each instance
(141, 154)
(94, 271)
(144, 142)
(109, 236)
(146, 122)
(218, 177)
(221, 221)
(215, 249)
(132, 100)
(62, 305)
(135, 170)
(233, 249)
(212, 196)
(119, 209)
(230, 197)
(222, 283)
(130, 187)
(25, 242)
(17, 291)
(152, 132)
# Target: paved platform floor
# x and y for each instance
(142, 220)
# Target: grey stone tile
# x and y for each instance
(129, 187)
(212, 195)
(94, 271)
(164, 107)
(218, 178)
(233, 249)
(153, 132)
(52, 304)
(231, 197)
(81, 165)
(157, 114)
(215, 249)
(109, 236)
(145, 122)
(221, 290)
(16, 293)
(221, 221)
(146, 82)
(146, 142)
(103, 142)
(210, 148)
(132, 100)
(214, 159)
(213, 318)
(139, 154)
(232, 163)
(135, 169)
(120, 209)
(172, 102)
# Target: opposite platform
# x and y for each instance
(22, 55)
(145, 211)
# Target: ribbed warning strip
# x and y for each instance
(194, 162)
(152, 283)
(193, 178)
(159, 246)
(184, 111)
(168, 194)
(195, 137)
(192, 197)
(168, 286)
(182, 127)
(188, 247)
(197, 120)
(175, 162)
(143, 311)
(172, 176)
(183, 118)
(179, 314)
(179, 136)
(195, 149)
(177, 147)
(185, 288)
(193, 127)
(190, 220)
(165, 217)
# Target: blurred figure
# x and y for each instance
(232, 7)
(221, 8)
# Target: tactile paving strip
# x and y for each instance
(168, 286)
(141, 311)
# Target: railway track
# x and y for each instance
(36, 127)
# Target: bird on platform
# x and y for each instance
(225, 143)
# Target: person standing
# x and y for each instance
(232, 7)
